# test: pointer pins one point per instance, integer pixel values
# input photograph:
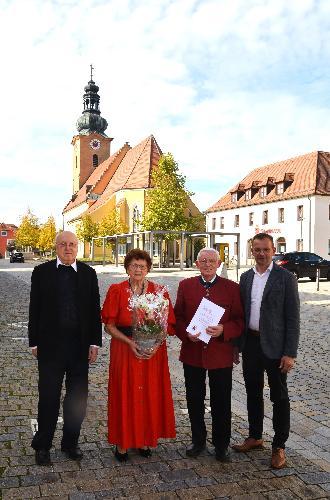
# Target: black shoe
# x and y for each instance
(194, 450)
(74, 452)
(222, 455)
(145, 452)
(121, 457)
(42, 457)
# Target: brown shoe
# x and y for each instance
(278, 458)
(249, 444)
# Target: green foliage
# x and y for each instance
(47, 235)
(87, 229)
(112, 224)
(167, 202)
(27, 235)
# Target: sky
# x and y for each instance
(224, 85)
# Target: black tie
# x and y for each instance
(62, 267)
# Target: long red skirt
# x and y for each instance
(140, 404)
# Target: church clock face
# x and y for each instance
(95, 144)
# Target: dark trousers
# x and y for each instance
(51, 375)
(220, 382)
(255, 364)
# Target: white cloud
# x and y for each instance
(226, 85)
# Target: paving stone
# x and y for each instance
(316, 477)
(198, 493)
(21, 493)
(229, 490)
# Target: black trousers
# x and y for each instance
(51, 375)
(220, 382)
(255, 364)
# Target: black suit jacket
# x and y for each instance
(279, 312)
(43, 314)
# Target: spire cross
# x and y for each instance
(91, 71)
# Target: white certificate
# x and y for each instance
(207, 314)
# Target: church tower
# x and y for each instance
(91, 146)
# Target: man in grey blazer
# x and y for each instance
(269, 343)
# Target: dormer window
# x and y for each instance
(248, 194)
(233, 197)
(263, 191)
(280, 188)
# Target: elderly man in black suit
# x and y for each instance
(270, 342)
(64, 333)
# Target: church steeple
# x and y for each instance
(91, 120)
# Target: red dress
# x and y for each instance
(140, 404)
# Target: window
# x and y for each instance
(222, 222)
(248, 194)
(263, 191)
(280, 188)
(235, 247)
(95, 161)
(234, 197)
(214, 222)
(236, 221)
(3, 233)
(300, 245)
(300, 212)
(265, 217)
(122, 250)
(251, 215)
(281, 215)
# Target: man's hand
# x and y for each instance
(215, 331)
(34, 351)
(92, 355)
(193, 338)
(286, 364)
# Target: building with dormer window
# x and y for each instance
(289, 199)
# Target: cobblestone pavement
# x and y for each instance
(168, 473)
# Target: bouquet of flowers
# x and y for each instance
(150, 313)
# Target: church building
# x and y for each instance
(103, 181)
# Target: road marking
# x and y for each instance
(20, 324)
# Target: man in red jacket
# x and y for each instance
(216, 356)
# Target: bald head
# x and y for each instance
(66, 244)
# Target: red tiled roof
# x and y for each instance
(98, 179)
(133, 172)
(304, 175)
(7, 227)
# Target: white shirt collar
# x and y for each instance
(74, 264)
(211, 281)
(268, 270)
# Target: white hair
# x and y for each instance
(208, 249)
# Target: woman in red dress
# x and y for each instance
(140, 405)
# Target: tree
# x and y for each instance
(167, 202)
(112, 224)
(47, 235)
(87, 229)
(27, 234)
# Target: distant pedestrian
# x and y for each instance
(270, 342)
(64, 333)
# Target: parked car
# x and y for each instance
(303, 264)
(16, 257)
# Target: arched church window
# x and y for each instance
(95, 161)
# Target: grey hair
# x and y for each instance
(208, 249)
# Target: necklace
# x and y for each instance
(134, 292)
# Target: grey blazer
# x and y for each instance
(279, 313)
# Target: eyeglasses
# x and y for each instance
(138, 266)
(63, 244)
(207, 261)
(261, 250)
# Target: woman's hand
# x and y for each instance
(135, 350)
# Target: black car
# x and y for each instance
(16, 257)
(303, 264)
